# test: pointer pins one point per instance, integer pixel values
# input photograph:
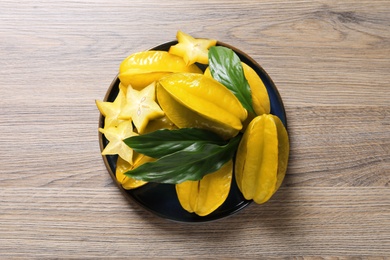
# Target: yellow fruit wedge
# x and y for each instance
(122, 166)
(206, 195)
(261, 159)
(191, 49)
(141, 80)
(187, 194)
(259, 93)
(260, 98)
(193, 100)
(159, 123)
(142, 68)
(284, 151)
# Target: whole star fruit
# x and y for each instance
(193, 100)
(142, 68)
(259, 93)
(261, 159)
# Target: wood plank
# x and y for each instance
(326, 221)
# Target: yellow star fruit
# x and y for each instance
(122, 166)
(206, 195)
(193, 100)
(111, 110)
(141, 106)
(192, 50)
(259, 93)
(142, 68)
(159, 123)
(115, 136)
(262, 157)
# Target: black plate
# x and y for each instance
(161, 199)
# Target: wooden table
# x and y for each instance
(330, 61)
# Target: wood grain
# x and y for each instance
(330, 61)
(314, 220)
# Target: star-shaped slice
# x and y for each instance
(191, 49)
(141, 106)
(111, 110)
(115, 136)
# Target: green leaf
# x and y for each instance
(163, 142)
(191, 163)
(225, 66)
